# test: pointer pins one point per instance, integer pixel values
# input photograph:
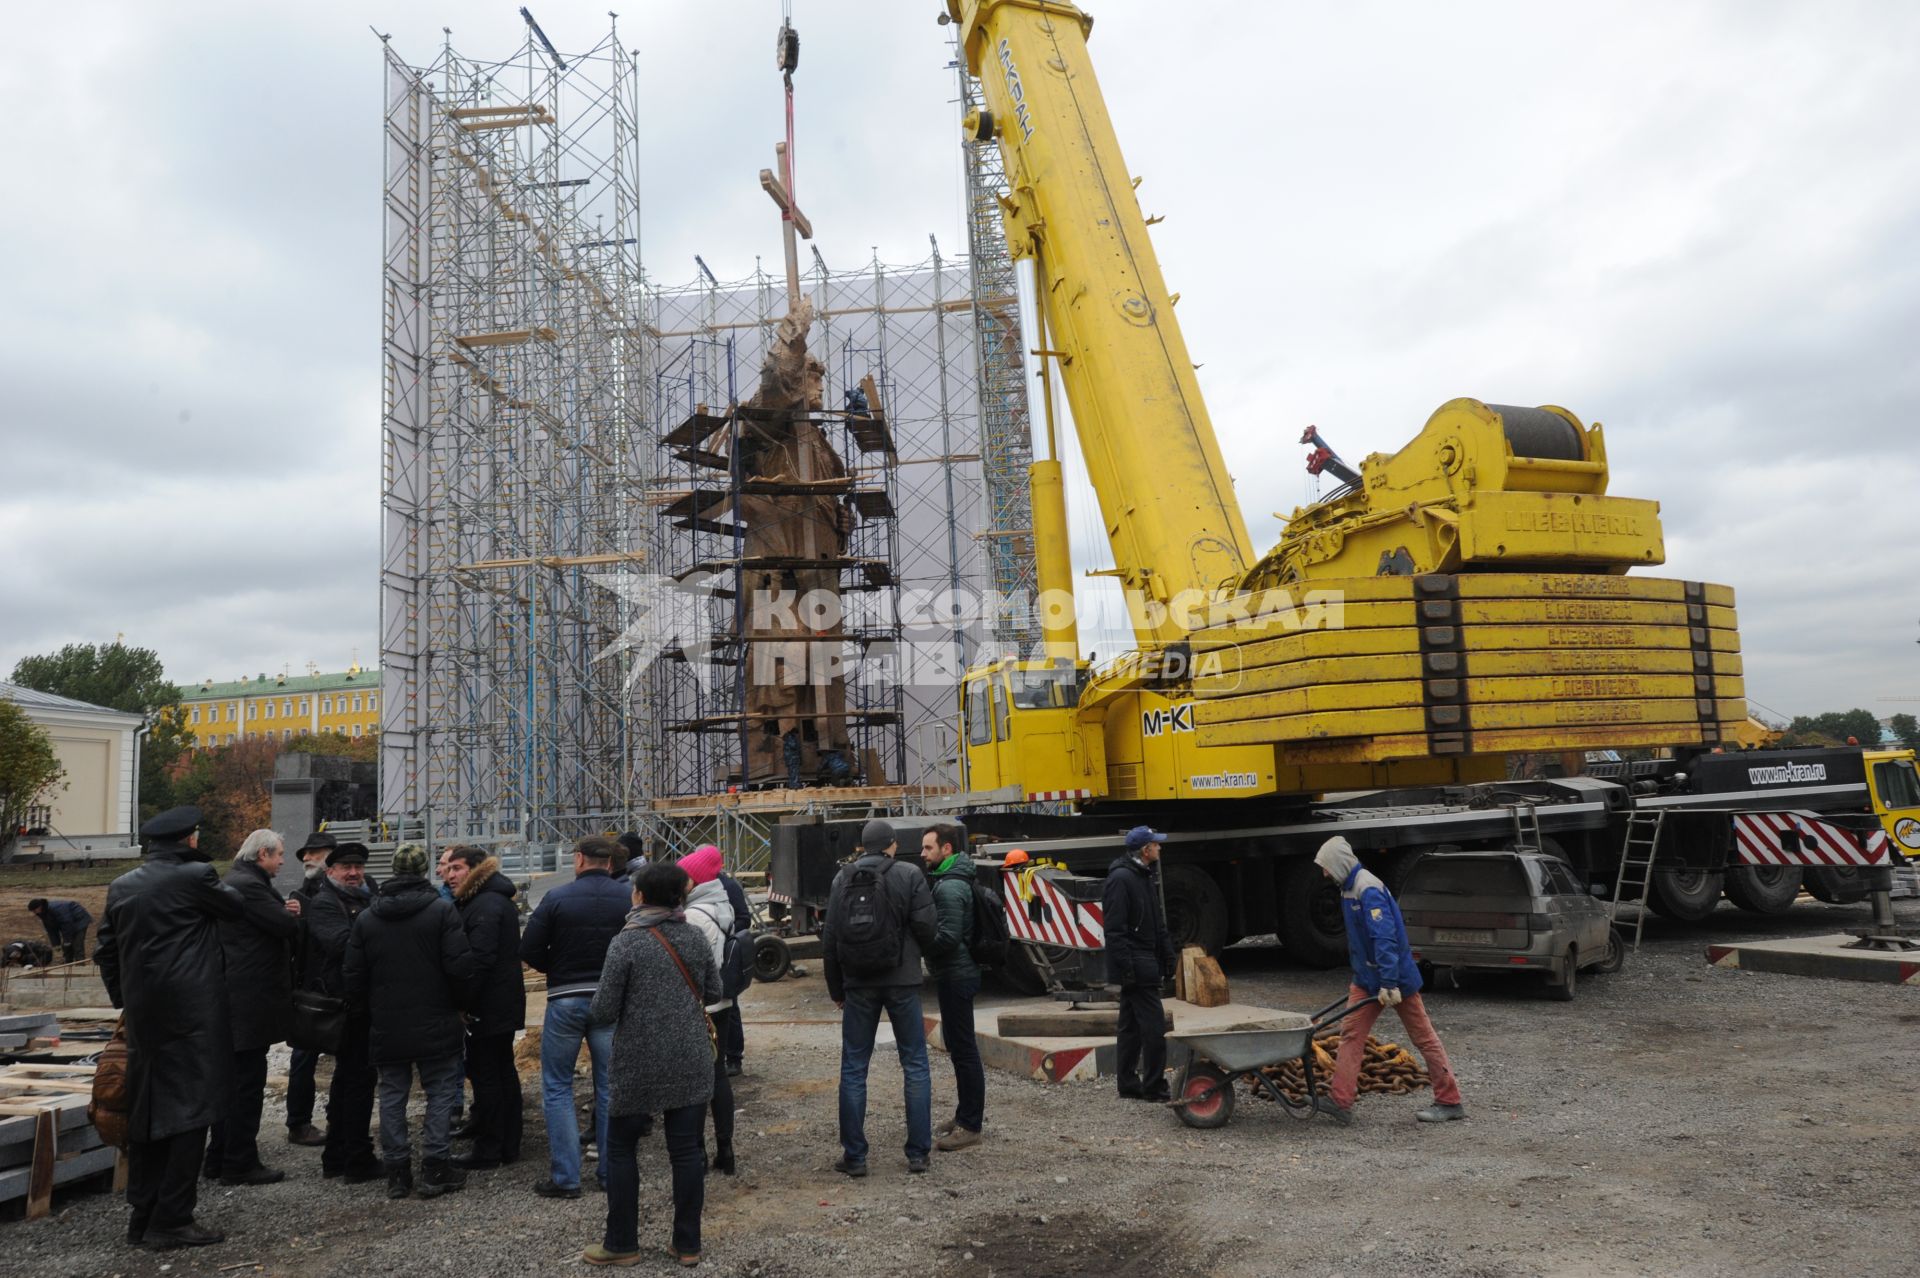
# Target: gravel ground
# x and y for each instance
(1677, 1119)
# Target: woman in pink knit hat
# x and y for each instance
(709, 910)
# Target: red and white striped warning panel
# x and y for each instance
(1801, 838)
(1051, 796)
(780, 898)
(1048, 917)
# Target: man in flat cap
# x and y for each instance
(880, 917)
(161, 959)
(327, 925)
(300, 1128)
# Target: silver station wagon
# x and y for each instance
(1508, 912)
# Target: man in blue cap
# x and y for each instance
(1139, 958)
(162, 962)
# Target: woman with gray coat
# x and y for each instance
(658, 979)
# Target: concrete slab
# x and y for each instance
(1824, 956)
(1082, 1057)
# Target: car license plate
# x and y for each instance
(1448, 936)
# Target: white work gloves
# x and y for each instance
(1389, 997)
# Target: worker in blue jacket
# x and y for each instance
(1383, 968)
(66, 923)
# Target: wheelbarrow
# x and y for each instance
(1216, 1061)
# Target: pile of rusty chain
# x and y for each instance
(1389, 1068)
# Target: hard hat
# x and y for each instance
(1016, 857)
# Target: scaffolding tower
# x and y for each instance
(1006, 429)
(911, 330)
(515, 454)
(709, 511)
(531, 373)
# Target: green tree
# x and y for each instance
(336, 745)
(132, 680)
(29, 769)
(1907, 729)
(102, 674)
(1833, 728)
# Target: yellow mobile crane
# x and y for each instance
(1461, 600)
(1464, 599)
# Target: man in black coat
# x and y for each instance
(1139, 958)
(66, 923)
(327, 925)
(300, 1070)
(160, 957)
(259, 952)
(409, 970)
(484, 896)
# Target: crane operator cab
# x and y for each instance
(1019, 725)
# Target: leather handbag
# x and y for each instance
(109, 1107)
(319, 1022)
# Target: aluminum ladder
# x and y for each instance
(1637, 856)
(1526, 827)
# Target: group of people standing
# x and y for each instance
(644, 965)
(406, 981)
(207, 970)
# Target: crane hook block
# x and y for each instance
(787, 54)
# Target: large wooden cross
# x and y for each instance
(791, 218)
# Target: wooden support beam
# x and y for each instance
(507, 337)
(774, 187)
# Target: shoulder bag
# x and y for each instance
(319, 1022)
(713, 1036)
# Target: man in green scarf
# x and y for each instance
(957, 979)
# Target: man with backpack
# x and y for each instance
(880, 915)
(956, 977)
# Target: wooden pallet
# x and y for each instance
(46, 1138)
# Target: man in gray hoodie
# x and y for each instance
(1384, 971)
(880, 917)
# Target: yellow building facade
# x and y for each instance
(282, 707)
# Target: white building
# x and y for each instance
(97, 810)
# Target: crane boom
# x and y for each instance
(1166, 499)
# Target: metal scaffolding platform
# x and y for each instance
(549, 419)
(514, 462)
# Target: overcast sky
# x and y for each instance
(1698, 224)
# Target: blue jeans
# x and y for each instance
(560, 1036)
(858, 1024)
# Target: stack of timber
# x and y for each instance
(45, 1137)
(1378, 668)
